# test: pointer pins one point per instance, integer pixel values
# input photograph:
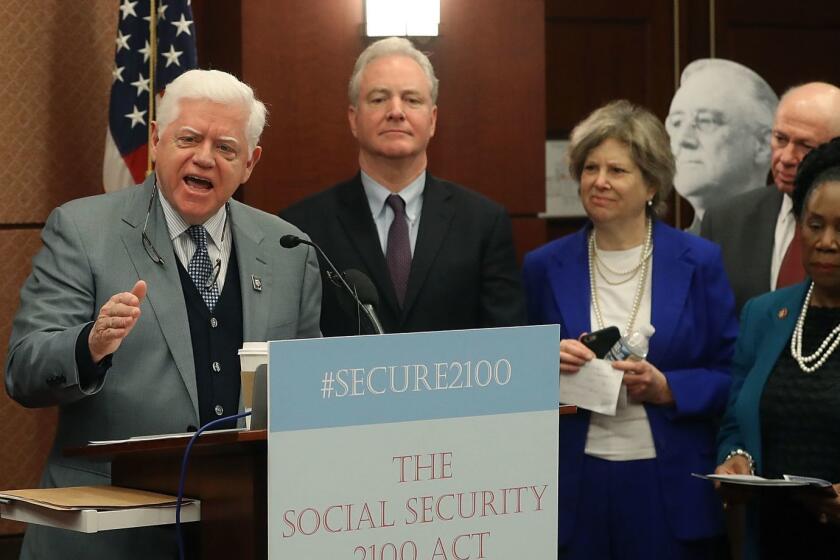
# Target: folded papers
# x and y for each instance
(77, 498)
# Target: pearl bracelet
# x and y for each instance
(745, 455)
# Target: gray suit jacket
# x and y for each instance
(93, 250)
(744, 226)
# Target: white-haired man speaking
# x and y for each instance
(138, 301)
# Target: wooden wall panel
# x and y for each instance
(601, 50)
(298, 58)
(693, 35)
(27, 433)
(218, 34)
(489, 60)
(55, 79)
(528, 234)
(785, 46)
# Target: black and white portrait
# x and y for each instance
(720, 122)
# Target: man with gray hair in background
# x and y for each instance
(138, 301)
(756, 229)
(440, 256)
(719, 122)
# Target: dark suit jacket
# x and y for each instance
(744, 226)
(764, 336)
(463, 272)
(693, 311)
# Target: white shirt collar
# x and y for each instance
(412, 194)
(215, 225)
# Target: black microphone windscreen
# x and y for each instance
(290, 241)
(363, 285)
(345, 301)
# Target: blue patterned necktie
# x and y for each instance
(398, 252)
(200, 268)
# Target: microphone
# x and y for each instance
(291, 241)
(366, 292)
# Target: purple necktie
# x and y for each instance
(398, 253)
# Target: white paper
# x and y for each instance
(753, 480)
(595, 387)
(160, 436)
(561, 190)
(809, 480)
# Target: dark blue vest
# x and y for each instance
(216, 340)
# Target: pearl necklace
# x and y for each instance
(647, 251)
(826, 348)
(601, 266)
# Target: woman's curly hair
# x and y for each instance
(819, 166)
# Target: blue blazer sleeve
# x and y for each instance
(699, 375)
(729, 436)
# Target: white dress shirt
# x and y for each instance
(785, 228)
(219, 238)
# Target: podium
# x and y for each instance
(227, 471)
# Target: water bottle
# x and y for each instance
(633, 346)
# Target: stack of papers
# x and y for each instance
(102, 498)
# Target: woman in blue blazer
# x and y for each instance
(784, 410)
(625, 488)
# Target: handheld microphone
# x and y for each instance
(290, 241)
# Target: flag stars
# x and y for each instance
(136, 117)
(122, 41)
(127, 9)
(183, 26)
(161, 13)
(145, 51)
(142, 84)
(116, 73)
(172, 56)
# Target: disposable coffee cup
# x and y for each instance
(251, 355)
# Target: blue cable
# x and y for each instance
(183, 477)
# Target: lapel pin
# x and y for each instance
(256, 283)
(783, 312)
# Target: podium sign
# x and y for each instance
(425, 446)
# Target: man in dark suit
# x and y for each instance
(440, 256)
(756, 229)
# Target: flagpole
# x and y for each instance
(153, 46)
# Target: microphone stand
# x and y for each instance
(290, 241)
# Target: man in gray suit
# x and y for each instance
(755, 229)
(138, 301)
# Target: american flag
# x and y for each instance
(126, 146)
